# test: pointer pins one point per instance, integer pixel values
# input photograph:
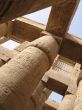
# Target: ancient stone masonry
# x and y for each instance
(47, 59)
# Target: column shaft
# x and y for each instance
(20, 76)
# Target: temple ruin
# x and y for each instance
(47, 59)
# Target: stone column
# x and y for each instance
(20, 76)
(67, 103)
(38, 98)
(78, 101)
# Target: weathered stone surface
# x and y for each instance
(78, 101)
(71, 48)
(19, 77)
(6, 54)
(72, 88)
(50, 105)
(56, 81)
(12, 9)
(76, 72)
(61, 16)
(38, 98)
(32, 30)
(3, 29)
(1, 62)
(26, 29)
(48, 44)
(67, 103)
(22, 46)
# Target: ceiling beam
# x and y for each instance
(25, 29)
(71, 48)
(11, 9)
(61, 17)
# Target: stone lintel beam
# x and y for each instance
(12, 9)
(70, 44)
(56, 81)
(61, 16)
(38, 30)
(71, 48)
(26, 29)
(20, 76)
(50, 105)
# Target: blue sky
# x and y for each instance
(76, 25)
